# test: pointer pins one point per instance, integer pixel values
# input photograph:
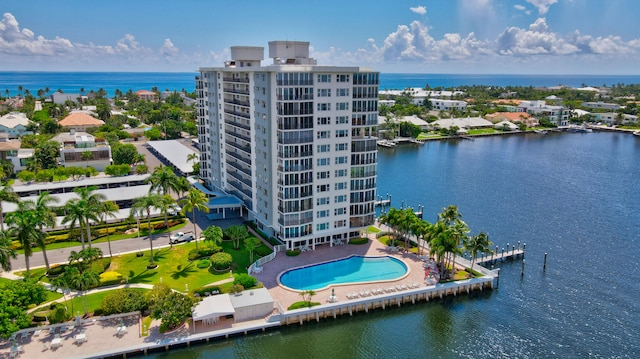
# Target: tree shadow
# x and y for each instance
(145, 276)
(184, 271)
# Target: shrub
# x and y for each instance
(110, 278)
(203, 252)
(203, 263)
(236, 288)
(56, 270)
(359, 241)
(262, 251)
(274, 241)
(214, 289)
(221, 260)
(303, 304)
(293, 253)
(124, 301)
(59, 314)
(245, 280)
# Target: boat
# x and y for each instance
(386, 143)
(580, 129)
(636, 133)
(542, 132)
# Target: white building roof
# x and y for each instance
(509, 124)
(174, 152)
(469, 122)
(251, 297)
(13, 119)
(213, 307)
(93, 181)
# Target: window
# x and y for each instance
(341, 223)
(324, 92)
(340, 185)
(341, 173)
(322, 226)
(324, 107)
(342, 106)
(342, 160)
(339, 211)
(322, 188)
(324, 121)
(323, 174)
(324, 161)
(342, 133)
(324, 134)
(322, 214)
(342, 92)
(322, 201)
(324, 78)
(342, 146)
(341, 198)
(342, 78)
(342, 120)
(324, 148)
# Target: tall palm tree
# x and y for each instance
(236, 234)
(74, 215)
(479, 243)
(163, 180)
(83, 281)
(89, 203)
(144, 205)
(164, 206)
(421, 228)
(6, 251)
(62, 282)
(193, 157)
(23, 225)
(195, 200)
(449, 214)
(108, 210)
(6, 195)
(45, 218)
(182, 186)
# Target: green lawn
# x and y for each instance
(373, 229)
(482, 131)
(428, 135)
(94, 301)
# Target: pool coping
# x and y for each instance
(406, 274)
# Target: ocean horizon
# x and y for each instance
(72, 82)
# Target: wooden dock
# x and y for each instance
(502, 255)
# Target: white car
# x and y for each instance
(180, 237)
(176, 236)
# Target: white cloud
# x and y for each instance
(542, 5)
(522, 8)
(168, 49)
(421, 10)
(537, 40)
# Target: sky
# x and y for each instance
(427, 36)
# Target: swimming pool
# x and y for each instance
(350, 270)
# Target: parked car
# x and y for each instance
(180, 237)
(174, 210)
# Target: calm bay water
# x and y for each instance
(72, 82)
(572, 195)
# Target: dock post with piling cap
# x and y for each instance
(522, 272)
(544, 265)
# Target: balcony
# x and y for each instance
(238, 157)
(238, 79)
(237, 113)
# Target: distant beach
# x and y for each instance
(72, 82)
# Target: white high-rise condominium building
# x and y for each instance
(295, 141)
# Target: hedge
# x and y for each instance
(245, 280)
(110, 278)
(221, 260)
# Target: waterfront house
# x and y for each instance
(10, 150)
(14, 124)
(523, 117)
(466, 123)
(613, 118)
(557, 115)
(506, 125)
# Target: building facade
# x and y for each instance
(80, 149)
(296, 142)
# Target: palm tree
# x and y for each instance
(195, 200)
(421, 228)
(165, 205)
(62, 282)
(23, 225)
(236, 234)
(144, 205)
(163, 180)
(306, 296)
(108, 210)
(479, 243)
(90, 204)
(86, 156)
(449, 214)
(250, 244)
(193, 157)
(6, 195)
(6, 251)
(45, 217)
(83, 281)
(182, 186)
(74, 216)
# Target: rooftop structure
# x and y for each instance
(79, 122)
(14, 124)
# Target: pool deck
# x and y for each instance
(324, 253)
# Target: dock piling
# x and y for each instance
(544, 265)
(522, 272)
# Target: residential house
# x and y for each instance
(557, 115)
(60, 98)
(80, 122)
(603, 105)
(14, 124)
(73, 144)
(147, 95)
(447, 105)
(611, 118)
(463, 124)
(10, 150)
(523, 117)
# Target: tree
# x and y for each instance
(250, 244)
(172, 308)
(86, 156)
(82, 281)
(85, 208)
(6, 195)
(124, 153)
(307, 295)
(6, 251)
(108, 210)
(23, 224)
(45, 156)
(164, 206)
(163, 180)
(193, 158)
(62, 282)
(17, 296)
(144, 206)
(236, 234)
(194, 201)
(124, 300)
(45, 218)
(479, 243)
(213, 235)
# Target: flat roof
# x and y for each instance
(92, 181)
(174, 152)
(112, 194)
(251, 297)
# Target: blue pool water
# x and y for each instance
(354, 269)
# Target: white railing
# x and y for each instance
(265, 259)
